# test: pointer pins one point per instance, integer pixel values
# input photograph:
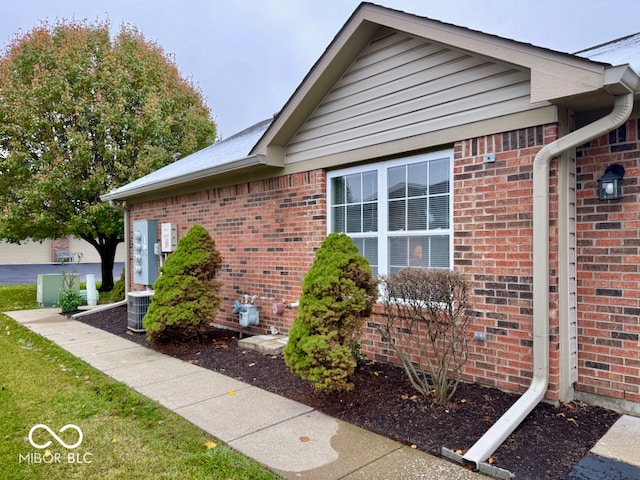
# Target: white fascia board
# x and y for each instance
(123, 193)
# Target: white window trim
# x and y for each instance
(383, 234)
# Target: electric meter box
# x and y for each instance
(145, 263)
(169, 236)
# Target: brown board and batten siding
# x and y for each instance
(401, 86)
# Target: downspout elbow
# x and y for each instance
(115, 206)
(622, 107)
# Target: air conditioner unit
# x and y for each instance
(137, 306)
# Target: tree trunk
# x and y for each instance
(106, 247)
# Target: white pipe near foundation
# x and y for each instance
(92, 293)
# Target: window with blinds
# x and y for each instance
(398, 212)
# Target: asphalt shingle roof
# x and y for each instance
(224, 152)
(616, 52)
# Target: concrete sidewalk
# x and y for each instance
(288, 437)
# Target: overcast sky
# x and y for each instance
(248, 56)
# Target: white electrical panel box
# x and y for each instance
(169, 236)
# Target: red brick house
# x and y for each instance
(438, 146)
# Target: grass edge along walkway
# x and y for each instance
(125, 434)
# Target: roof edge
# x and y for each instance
(240, 164)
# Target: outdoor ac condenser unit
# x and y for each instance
(137, 306)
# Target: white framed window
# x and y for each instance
(398, 212)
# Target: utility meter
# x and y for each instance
(145, 263)
(169, 236)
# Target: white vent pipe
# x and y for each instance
(506, 424)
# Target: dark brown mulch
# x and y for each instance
(546, 446)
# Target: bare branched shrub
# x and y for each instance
(426, 318)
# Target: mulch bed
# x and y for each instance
(545, 446)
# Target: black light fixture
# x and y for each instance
(610, 184)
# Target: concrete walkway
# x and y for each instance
(288, 437)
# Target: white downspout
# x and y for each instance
(115, 206)
(506, 424)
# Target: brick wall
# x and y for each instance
(57, 245)
(266, 231)
(493, 213)
(608, 240)
(493, 246)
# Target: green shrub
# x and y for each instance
(338, 293)
(186, 294)
(117, 293)
(69, 300)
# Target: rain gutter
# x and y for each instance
(505, 425)
(179, 180)
(124, 209)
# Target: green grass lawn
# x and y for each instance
(23, 297)
(125, 435)
(18, 297)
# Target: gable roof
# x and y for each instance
(555, 77)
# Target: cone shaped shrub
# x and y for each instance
(338, 293)
(186, 294)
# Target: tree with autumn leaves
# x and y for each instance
(82, 113)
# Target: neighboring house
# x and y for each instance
(438, 146)
(52, 251)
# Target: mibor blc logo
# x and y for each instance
(58, 439)
(55, 457)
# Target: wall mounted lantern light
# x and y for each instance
(610, 184)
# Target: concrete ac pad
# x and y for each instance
(267, 344)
